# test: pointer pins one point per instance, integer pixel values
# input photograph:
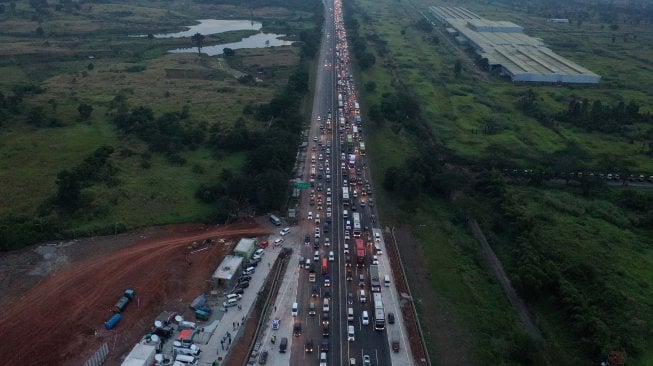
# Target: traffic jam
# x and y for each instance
(346, 195)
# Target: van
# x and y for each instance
(345, 214)
(323, 359)
(362, 297)
(275, 220)
(311, 309)
(325, 306)
(350, 314)
(229, 303)
(365, 318)
(186, 359)
(331, 256)
(283, 345)
(386, 280)
(295, 309)
(350, 333)
(307, 264)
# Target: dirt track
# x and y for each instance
(60, 321)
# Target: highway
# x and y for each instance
(329, 169)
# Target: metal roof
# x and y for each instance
(520, 56)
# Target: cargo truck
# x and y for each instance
(374, 278)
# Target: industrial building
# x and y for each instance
(228, 271)
(505, 46)
(245, 248)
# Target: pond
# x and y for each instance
(213, 26)
(259, 40)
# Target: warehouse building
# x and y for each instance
(507, 48)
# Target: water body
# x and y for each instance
(213, 26)
(259, 40)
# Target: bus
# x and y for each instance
(325, 266)
(345, 196)
(379, 313)
(360, 253)
(361, 148)
(357, 224)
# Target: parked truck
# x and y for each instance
(375, 281)
(126, 298)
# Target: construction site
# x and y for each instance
(65, 301)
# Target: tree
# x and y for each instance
(39, 31)
(198, 41)
(85, 111)
(228, 52)
(370, 86)
(68, 194)
(90, 66)
(457, 68)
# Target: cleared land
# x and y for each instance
(71, 305)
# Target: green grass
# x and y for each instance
(162, 192)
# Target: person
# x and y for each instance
(274, 338)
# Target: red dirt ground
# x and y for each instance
(60, 321)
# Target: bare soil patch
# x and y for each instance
(59, 320)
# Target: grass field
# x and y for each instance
(88, 58)
(457, 108)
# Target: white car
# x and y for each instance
(284, 231)
(375, 259)
(377, 237)
(317, 232)
(310, 215)
(328, 191)
(328, 212)
(278, 242)
(347, 237)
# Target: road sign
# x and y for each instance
(301, 185)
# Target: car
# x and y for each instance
(350, 275)
(297, 329)
(317, 232)
(276, 322)
(350, 298)
(308, 348)
(244, 278)
(238, 291)
(325, 331)
(377, 249)
(327, 241)
(391, 318)
(347, 237)
(324, 346)
(315, 291)
(259, 252)
(254, 261)
(352, 361)
(243, 285)
(249, 271)
(367, 361)
(375, 259)
(377, 237)
(310, 215)
(327, 294)
(263, 358)
(315, 139)
(328, 192)
(346, 248)
(332, 256)
(307, 239)
(278, 242)
(285, 231)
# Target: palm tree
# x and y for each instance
(198, 40)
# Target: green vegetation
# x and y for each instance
(442, 135)
(102, 132)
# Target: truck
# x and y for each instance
(126, 298)
(375, 280)
(311, 274)
(379, 312)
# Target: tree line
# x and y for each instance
(357, 44)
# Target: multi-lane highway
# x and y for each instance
(340, 191)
